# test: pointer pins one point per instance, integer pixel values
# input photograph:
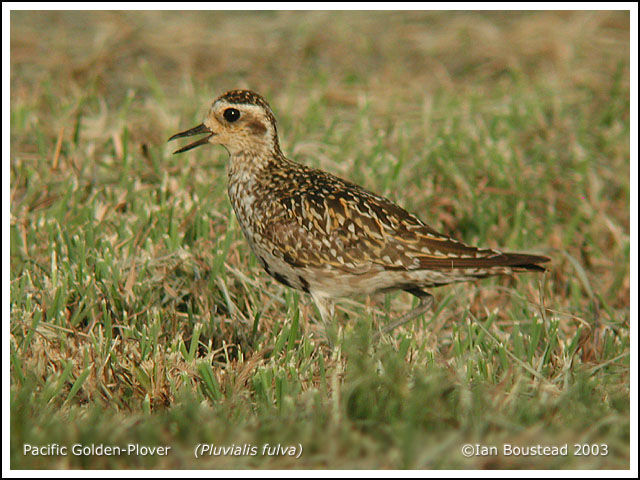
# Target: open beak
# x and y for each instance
(191, 132)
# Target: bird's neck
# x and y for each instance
(247, 167)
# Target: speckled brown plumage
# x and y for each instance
(324, 235)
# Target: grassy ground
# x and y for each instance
(139, 316)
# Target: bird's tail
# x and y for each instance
(522, 262)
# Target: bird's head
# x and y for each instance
(239, 120)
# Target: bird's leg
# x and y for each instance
(326, 307)
(426, 302)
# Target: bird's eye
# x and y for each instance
(231, 114)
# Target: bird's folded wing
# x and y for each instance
(354, 230)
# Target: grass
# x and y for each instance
(139, 316)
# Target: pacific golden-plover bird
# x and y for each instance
(326, 236)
